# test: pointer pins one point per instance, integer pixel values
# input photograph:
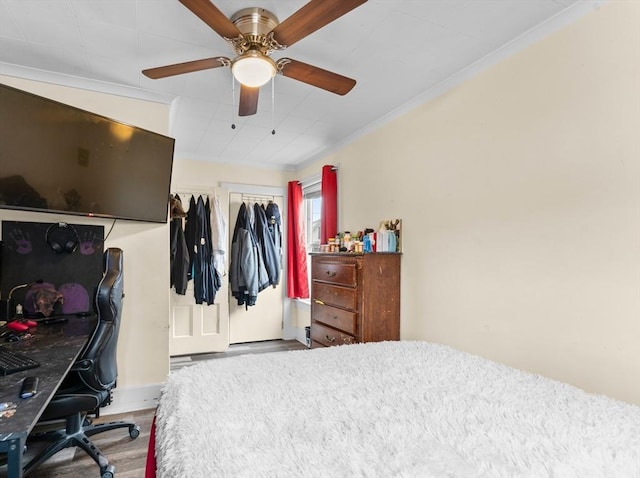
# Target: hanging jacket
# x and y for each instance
(205, 279)
(267, 246)
(275, 230)
(219, 237)
(179, 257)
(190, 233)
(247, 274)
(213, 278)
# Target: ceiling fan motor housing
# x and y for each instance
(255, 24)
(254, 21)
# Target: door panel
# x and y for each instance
(197, 328)
(262, 321)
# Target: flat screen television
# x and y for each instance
(58, 158)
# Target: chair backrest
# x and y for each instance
(101, 350)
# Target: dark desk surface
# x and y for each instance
(56, 347)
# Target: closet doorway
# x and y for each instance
(264, 320)
(200, 328)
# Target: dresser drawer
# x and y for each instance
(337, 318)
(326, 294)
(335, 272)
(328, 336)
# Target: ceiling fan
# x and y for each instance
(254, 34)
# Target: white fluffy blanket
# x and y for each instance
(391, 409)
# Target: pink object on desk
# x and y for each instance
(17, 326)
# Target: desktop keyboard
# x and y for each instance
(11, 362)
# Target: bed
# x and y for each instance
(388, 409)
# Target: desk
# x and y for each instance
(56, 347)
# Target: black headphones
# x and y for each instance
(62, 237)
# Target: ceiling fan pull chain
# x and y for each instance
(273, 103)
(233, 103)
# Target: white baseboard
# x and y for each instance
(301, 335)
(130, 399)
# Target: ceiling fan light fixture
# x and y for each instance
(253, 68)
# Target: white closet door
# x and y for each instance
(201, 328)
(263, 321)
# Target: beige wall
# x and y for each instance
(520, 198)
(143, 353)
(188, 172)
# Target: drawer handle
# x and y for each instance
(329, 339)
(331, 273)
(318, 302)
(334, 317)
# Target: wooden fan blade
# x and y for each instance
(248, 100)
(186, 67)
(314, 76)
(311, 17)
(212, 16)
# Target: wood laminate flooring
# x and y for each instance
(267, 346)
(127, 455)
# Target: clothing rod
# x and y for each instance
(256, 198)
(194, 192)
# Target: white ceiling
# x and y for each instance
(401, 52)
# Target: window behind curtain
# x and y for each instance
(312, 209)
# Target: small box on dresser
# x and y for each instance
(354, 298)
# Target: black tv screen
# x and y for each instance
(58, 158)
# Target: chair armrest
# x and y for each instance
(82, 365)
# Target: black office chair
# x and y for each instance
(88, 386)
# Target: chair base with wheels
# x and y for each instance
(78, 429)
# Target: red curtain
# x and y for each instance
(297, 279)
(329, 213)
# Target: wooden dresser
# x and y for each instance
(354, 298)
